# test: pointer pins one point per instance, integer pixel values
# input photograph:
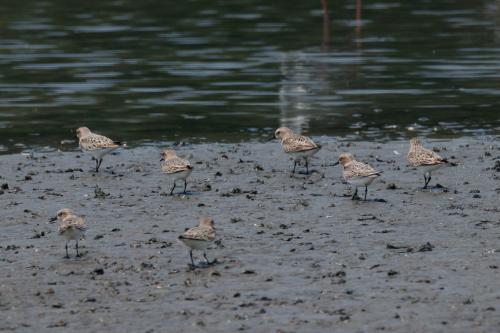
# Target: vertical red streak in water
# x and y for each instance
(358, 22)
(325, 36)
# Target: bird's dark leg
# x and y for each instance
(355, 195)
(294, 166)
(307, 166)
(98, 164)
(76, 246)
(191, 256)
(208, 261)
(172, 190)
(427, 180)
(67, 254)
(366, 191)
(185, 185)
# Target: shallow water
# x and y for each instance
(151, 71)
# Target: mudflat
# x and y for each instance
(295, 253)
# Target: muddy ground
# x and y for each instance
(295, 253)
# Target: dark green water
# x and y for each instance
(153, 71)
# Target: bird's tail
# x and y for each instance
(119, 143)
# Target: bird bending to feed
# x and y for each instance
(357, 173)
(176, 167)
(71, 227)
(95, 144)
(298, 146)
(199, 238)
(424, 159)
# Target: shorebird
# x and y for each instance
(424, 159)
(199, 238)
(176, 167)
(71, 227)
(357, 173)
(298, 146)
(96, 145)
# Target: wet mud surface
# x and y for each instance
(294, 254)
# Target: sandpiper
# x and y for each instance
(199, 238)
(357, 173)
(96, 145)
(298, 146)
(176, 167)
(424, 159)
(71, 227)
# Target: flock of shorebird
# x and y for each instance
(301, 148)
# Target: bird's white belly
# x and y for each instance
(195, 244)
(180, 175)
(99, 153)
(304, 154)
(429, 168)
(361, 181)
(73, 234)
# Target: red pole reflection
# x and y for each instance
(325, 36)
(358, 22)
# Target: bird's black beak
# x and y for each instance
(162, 159)
(53, 219)
(336, 163)
(271, 138)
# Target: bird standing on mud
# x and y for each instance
(424, 159)
(357, 173)
(96, 145)
(175, 167)
(71, 227)
(199, 238)
(298, 146)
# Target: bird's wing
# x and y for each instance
(360, 169)
(427, 157)
(298, 143)
(72, 221)
(96, 141)
(200, 233)
(176, 165)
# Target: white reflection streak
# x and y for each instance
(492, 13)
(296, 100)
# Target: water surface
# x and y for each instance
(155, 71)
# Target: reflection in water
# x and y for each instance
(491, 11)
(305, 79)
(325, 37)
(295, 103)
(300, 80)
(358, 22)
(148, 71)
